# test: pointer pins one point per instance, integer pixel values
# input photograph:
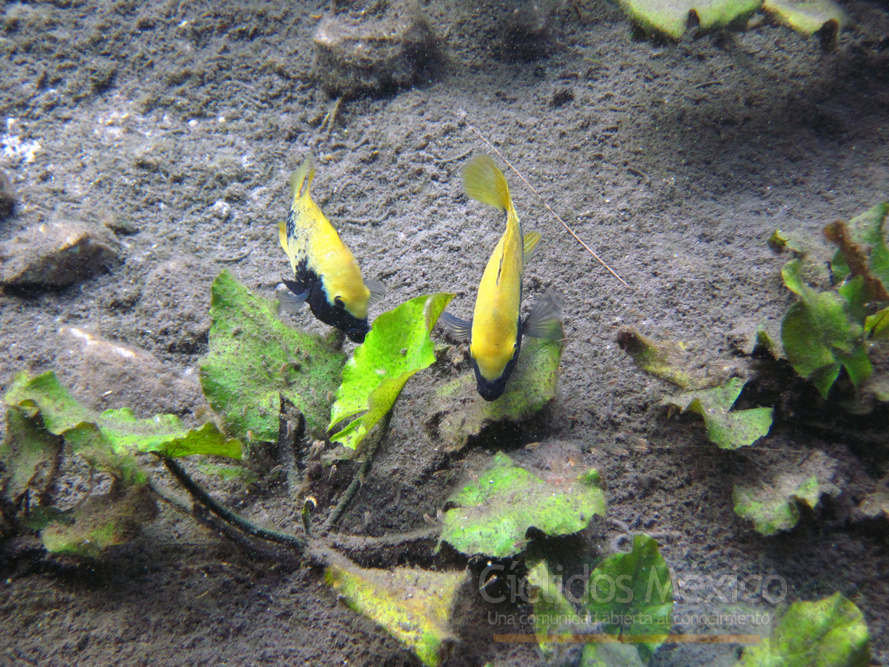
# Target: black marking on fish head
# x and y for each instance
(334, 314)
(491, 390)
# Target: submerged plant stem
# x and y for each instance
(350, 492)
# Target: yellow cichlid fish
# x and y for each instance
(326, 274)
(496, 329)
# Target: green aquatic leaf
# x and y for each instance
(805, 16)
(773, 506)
(414, 606)
(29, 454)
(397, 346)
(827, 633)
(459, 413)
(729, 430)
(876, 326)
(552, 610)
(818, 335)
(866, 232)
(494, 512)
(255, 358)
(631, 595)
(109, 439)
(100, 522)
(670, 17)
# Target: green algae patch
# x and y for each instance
(397, 346)
(728, 429)
(631, 594)
(255, 358)
(828, 633)
(670, 17)
(774, 506)
(493, 513)
(458, 412)
(100, 522)
(414, 606)
(109, 439)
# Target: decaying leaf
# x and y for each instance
(397, 346)
(671, 17)
(552, 610)
(774, 506)
(414, 606)
(100, 522)
(494, 512)
(30, 455)
(255, 358)
(728, 429)
(828, 633)
(458, 412)
(807, 16)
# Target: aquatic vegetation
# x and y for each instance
(397, 346)
(494, 513)
(42, 416)
(414, 606)
(829, 331)
(829, 632)
(672, 19)
(255, 359)
(728, 428)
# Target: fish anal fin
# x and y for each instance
(544, 319)
(377, 291)
(532, 241)
(454, 326)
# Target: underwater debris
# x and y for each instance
(363, 52)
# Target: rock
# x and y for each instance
(175, 301)
(7, 196)
(373, 53)
(56, 255)
(104, 374)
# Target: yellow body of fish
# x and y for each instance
(326, 273)
(495, 322)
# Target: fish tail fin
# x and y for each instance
(302, 177)
(544, 319)
(484, 182)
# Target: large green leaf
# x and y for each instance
(631, 595)
(818, 335)
(670, 17)
(255, 358)
(397, 346)
(414, 606)
(826, 633)
(458, 412)
(729, 430)
(495, 511)
(108, 439)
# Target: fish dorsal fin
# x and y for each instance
(301, 180)
(543, 320)
(532, 240)
(454, 326)
(484, 182)
(377, 291)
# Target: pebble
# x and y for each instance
(105, 374)
(7, 196)
(57, 255)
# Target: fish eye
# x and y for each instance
(338, 302)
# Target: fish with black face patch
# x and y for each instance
(326, 275)
(496, 329)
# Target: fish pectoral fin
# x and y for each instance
(290, 298)
(377, 291)
(454, 326)
(544, 319)
(532, 240)
(282, 236)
